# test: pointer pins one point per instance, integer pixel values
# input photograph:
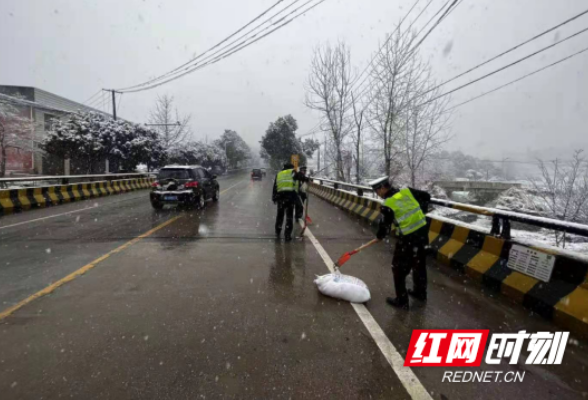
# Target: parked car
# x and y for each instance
(184, 185)
(256, 174)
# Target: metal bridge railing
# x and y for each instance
(501, 219)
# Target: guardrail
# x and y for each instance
(66, 179)
(501, 219)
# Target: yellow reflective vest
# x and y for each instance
(285, 181)
(407, 211)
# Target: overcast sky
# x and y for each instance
(74, 48)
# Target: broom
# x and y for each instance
(345, 257)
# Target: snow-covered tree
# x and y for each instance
(196, 152)
(237, 151)
(329, 92)
(279, 142)
(15, 131)
(171, 127)
(564, 188)
(90, 138)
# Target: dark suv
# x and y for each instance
(189, 185)
(256, 174)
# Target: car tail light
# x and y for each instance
(155, 184)
(191, 184)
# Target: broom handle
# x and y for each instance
(365, 246)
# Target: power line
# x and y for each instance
(228, 47)
(512, 49)
(435, 25)
(96, 102)
(387, 40)
(240, 46)
(119, 101)
(453, 9)
(447, 12)
(91, 97)
(503, 68)
(519, 79)
(366, 88)
(211, 48)
(432, 18)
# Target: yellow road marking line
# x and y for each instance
(82, 270)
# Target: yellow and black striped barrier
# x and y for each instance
(12, 200)
(484, 258)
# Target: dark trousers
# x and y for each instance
(300, 205)
(285, 206)
(410, 254)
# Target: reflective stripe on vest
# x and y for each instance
(285, 181)
(407, 212)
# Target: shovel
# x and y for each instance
(345, 257)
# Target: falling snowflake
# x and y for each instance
(146, 337)
(48, 251)
(303, 336)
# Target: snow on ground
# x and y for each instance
(515, 199)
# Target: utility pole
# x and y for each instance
(114, 92)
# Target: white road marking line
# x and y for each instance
(48, 217)
(229, 188)
(411, 383)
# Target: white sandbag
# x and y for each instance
(344, 287)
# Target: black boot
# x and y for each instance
(397, 302)
(278, 233)
(422, 296)
(288, 238)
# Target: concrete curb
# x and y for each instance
(564, 299)
(12, 200)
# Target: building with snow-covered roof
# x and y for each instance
(41, 107)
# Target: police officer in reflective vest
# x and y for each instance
(403, 209)
(284, 194)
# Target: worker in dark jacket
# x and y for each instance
(405, 208)
(285, 196)
(301, 191)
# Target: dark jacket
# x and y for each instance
(287, 195)
(387, 214)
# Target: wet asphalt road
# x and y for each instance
(212, 306)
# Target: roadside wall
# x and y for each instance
(12, 200)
